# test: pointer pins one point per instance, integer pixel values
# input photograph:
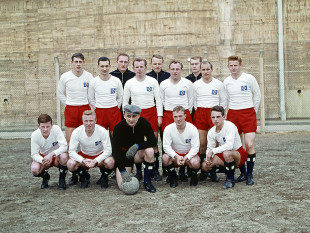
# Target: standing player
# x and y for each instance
(176, 91)
(244, 98)
(133, 142)
(48, 149)
(208, 92)
(229, 152)
(95, 150)
(195, 67)
(143, 90)
(122, 71)
(157, 72)
(105, 95)
(181, 145)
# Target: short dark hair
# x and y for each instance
(207, 62)
(158, 57)
(218, 108)
(79, 55)
(103, 59)
(44, 118)
(176, 62)
(179, 108)
(138, 60)
(122, 54)
(235, 58)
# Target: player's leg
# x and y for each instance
(147, 157)
(156, 175)
(249, 139)
(169, 167)
(106, 167)
(193, 168)
(61, 163)
(78, 169)
(119, 177)
(231, 159)
(39, 170)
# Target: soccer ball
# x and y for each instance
(131, 187)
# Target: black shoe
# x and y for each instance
(229, 184)
(250, 180)
(62, 184)
(203, 176)
(104, 182)
(85, 181)
(214, 177)
(149, 187)
(74, 179)
(99, 181)
(168, 179)
(241, 178)
(139, 175)
(183, 177)
(157, 176)
(173, 181)
(46, 178)
(194, 180)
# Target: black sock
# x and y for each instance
(250, 163)
(230, 167)
(156, 165)
(62, 171)
(148, 171)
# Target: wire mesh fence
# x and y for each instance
(28, 90)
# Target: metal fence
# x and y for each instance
(28, 90)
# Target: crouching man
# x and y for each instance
(48, 149)
(181, 146)
(95, 145)
(133, 142)
(229, 152)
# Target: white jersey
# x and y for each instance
(142, 93)
(72, 90)
(207, 95)
(228, 138)
(184, 143)
(243, 92)
(173, 95)
(98, 143)
(55, 142)
(105, 94)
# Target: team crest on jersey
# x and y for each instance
(224, 139)
(54, 143)
(97, 143)
(86, 84)
(149, 89)
(244, 88)
(182, 92)
(214, 92)
(113, 90)
(188, 140)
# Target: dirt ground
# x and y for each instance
(278, 202)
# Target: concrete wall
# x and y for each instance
(34, 31)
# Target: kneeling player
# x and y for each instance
(181, 146)
(94, 141)
(48, 149)
(230, 152)
(133, 142)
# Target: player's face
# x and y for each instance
(139, 68)
(45, 129)
(217, 118)
(234, 67)
(179, 118)
(122, 63)
(175, 70)
(104, 67)
(157, 64)
(89, 122)
(206, 71)
(77, 64)
(195, 65)
(131, 119)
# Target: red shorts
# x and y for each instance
(168, 118)
(150, 114)
(85, 156)
(73, 115)
(53, 160)
(202, 118)
(108, 117)
(244, 119)
(243, 154)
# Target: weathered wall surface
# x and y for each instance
(34, 31)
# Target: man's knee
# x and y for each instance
(72, 165)
(195, 162)
(149, 153)
(165, 159)
(109, 162)
(227, 156)
(63, 159)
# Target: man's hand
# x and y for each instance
(180, 160)
(130, 154)
(126, 177)
(90, 163)
(47, 160)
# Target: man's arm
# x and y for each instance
(149, 134)
(74, 143)
(118, 153)
(126, 95)
(107, 150)
(223, 96)
(194, 144)
(61, 90)
(190, 97)
(62, 142)
(167, 141)
(119, 93)
(91, 93)
(256, 94)
(35, 149)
